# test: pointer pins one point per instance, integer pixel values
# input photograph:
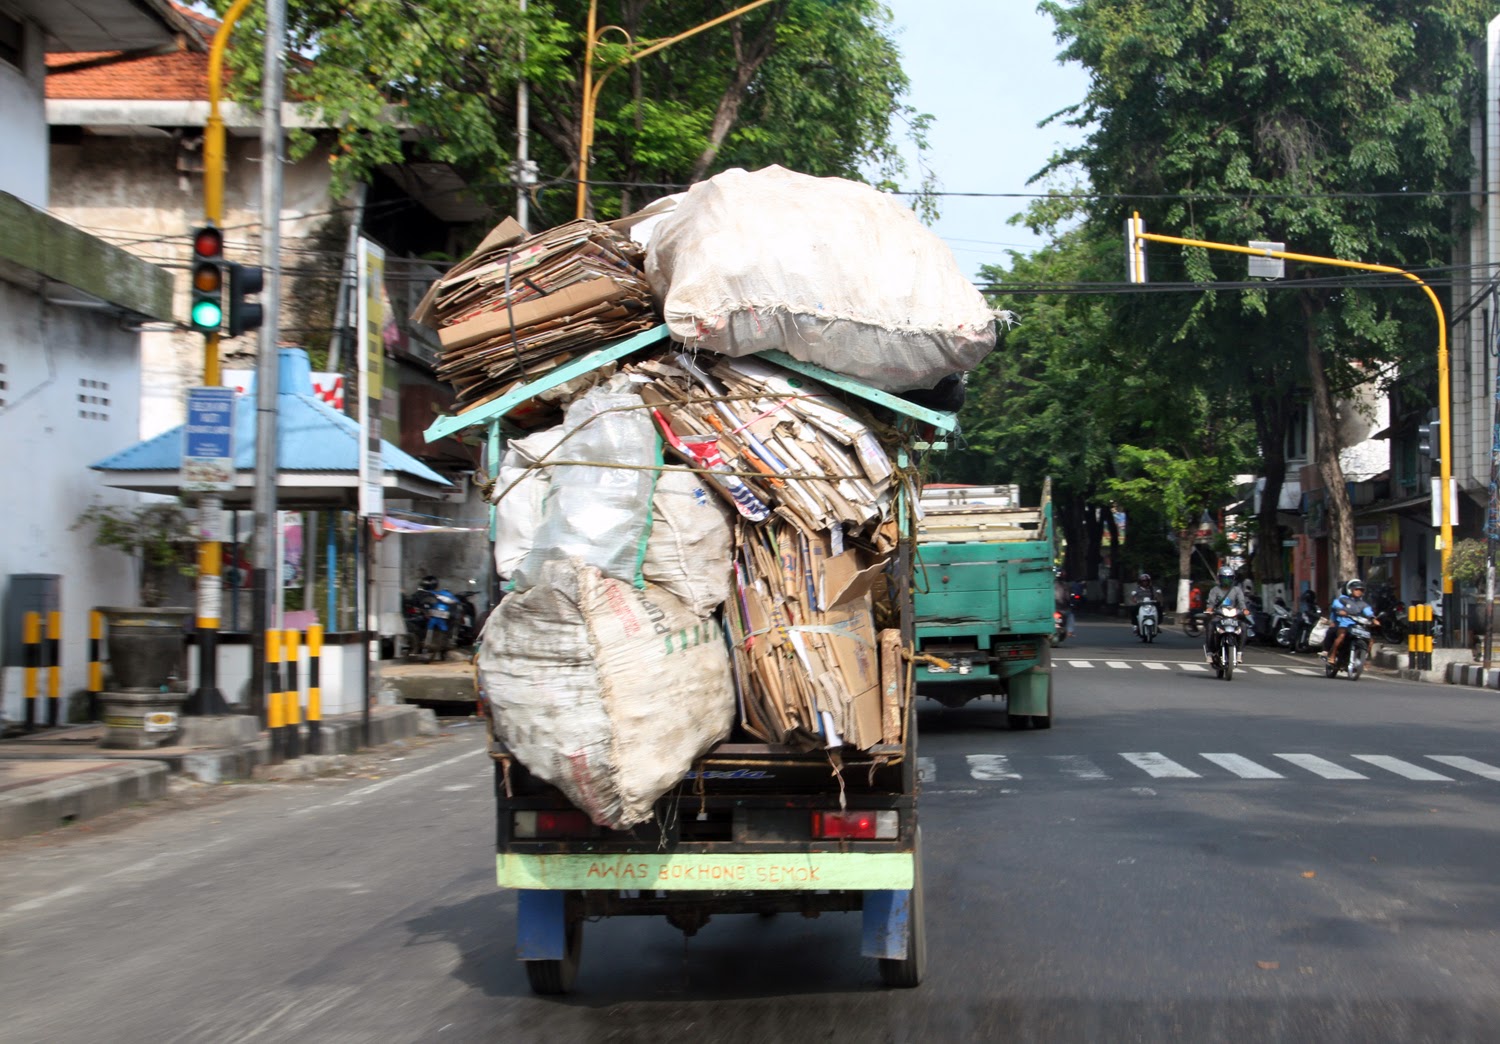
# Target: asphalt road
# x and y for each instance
(1178, 859)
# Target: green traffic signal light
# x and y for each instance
(207, 315)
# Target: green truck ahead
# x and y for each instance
(984, 600)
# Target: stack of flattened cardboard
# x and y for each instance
(813, 487)
(519, 306)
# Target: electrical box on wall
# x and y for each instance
(27, 593)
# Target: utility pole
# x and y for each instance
(524, 177)
(267, 571)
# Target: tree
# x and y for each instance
(1334, 125)
(812, 84)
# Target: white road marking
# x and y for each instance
(1194, 667)
(1119, 665)
(1463, 764)
(1404, 768)
(1266, 670)
(354, 796)
(1242, 766)
(1159, 766)
(1077, 766)
(927, 769)
(990, 766)
(1320, 766)
(1312, 671)
(1156, 666)
(1080, 663)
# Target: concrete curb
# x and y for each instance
(1454, 672)
(98, 786)
(89, 793)
(1474, 675)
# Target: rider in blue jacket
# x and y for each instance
(1344, 610)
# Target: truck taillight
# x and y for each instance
(552, 824)
(866, 826)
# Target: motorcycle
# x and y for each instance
(1391, 612)
(1229, 625)
(1059, 628)
(1352, 654)
(1148, 624)
(1306, 619)
(1279, 626)
(438, 619)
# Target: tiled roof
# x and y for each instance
(181, 76)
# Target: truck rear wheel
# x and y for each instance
(551, 978)
(904, 973)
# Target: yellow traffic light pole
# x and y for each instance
(1445, 464)
(592, 87)
(211, 507)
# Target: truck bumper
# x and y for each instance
(749, 871)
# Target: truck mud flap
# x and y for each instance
(1030, 692)
(541, 926)
(884, 930)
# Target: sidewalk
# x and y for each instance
(56, 777)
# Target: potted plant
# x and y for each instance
(146, 643)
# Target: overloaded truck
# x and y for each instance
(699, 680)
(984, 599)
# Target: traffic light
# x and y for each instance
(245, 281)
(1427, 438)
(207, 310)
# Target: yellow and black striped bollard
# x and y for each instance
(293, 696)
(31, 660)
(315, 689)
(275, 717)
(1413, 621)
(53, 651)
(96, 664)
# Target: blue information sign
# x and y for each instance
(208, 441)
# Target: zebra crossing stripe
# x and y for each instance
(1157, 666)
(1242, 766)
(1266, 670)
(926, 769)
(1080, 663)
(990, 766)
(1463, 764)
(1119, 665)
(1313, 671)
(1403, 768)
(1076, 766)
(1320, 766)
(1159, 766)
(1194, 667)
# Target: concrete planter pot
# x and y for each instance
(141, 720)
(147, 647)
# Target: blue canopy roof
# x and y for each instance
(311, 436)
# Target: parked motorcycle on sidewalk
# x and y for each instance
(1229, 626)
(1279, 625)
(1391, 612)
(438, 619)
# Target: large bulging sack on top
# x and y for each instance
(690, 550)
(604, 690)
(827, 270)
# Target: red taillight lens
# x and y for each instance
(862, 826)
(552, 824)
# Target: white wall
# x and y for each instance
(46, 352)
(23, 118)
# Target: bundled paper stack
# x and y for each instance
(519, 306)
(813, 487)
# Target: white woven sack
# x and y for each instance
(828, 270)
(689, 551)
(605, 691)
(520, 490)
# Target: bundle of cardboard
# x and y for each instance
(813, 487)
(518, 306)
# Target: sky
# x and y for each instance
(987, 71)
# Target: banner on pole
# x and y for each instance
(208, 441)
(370, 323)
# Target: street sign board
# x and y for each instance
(1267, 267)
(208, 441)
(371, 328)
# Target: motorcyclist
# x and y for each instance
(1139, 594)
(1345, 610)
(1227, 592)
(1061, 600)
